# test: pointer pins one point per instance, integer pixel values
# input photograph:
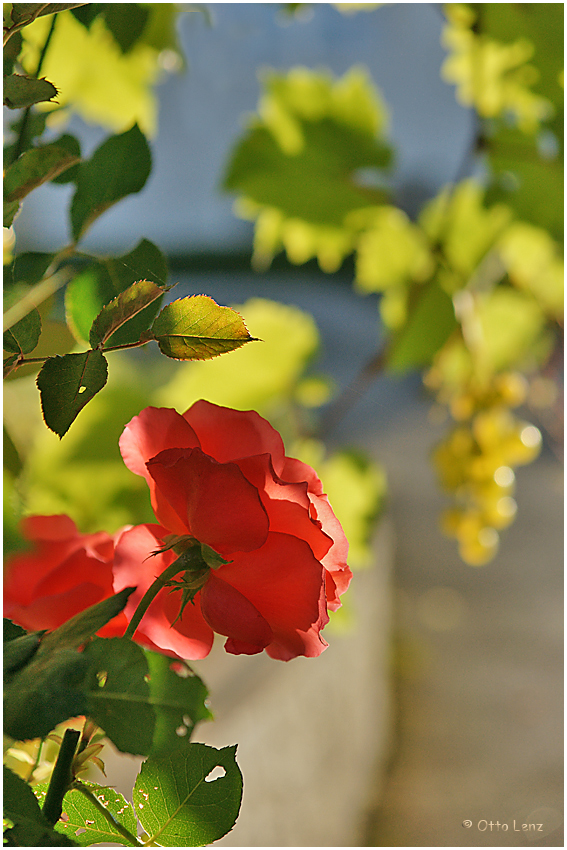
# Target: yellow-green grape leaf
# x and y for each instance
(23, 337)
(510, 325)
(180, 802)
(312, 155)
(21, 91)
(391, 251)
(430, 323)
(34, 167)
(465, 228)
(67, 384)
(532, 259)
(83, 822)
(197, 328)
(125, 306)
(119, 167)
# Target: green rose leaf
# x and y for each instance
(30, 11)
(119, 167)
(23, 337)
(67, 384)
(100, 282)
(119, 695)
(53, 686)
(197, 328)
(180, 805)
(72, 146)
(21, 91)
(82, 820)
(29, 826)
(34, 167)
(28, 268)
(126, 23)
(20, 651)
(178, 696)
(47, 691)
(430, 323)
(84, 625)
(124, 307)
(140, 700)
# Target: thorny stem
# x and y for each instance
(92, 798)
(151, 594)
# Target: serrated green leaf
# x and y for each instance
(119, 167)
(27, 268)
(139, 700)
(178, 699)
(23, 337)
(197, 328)
(24, 132)
(430, 323)
(11, 631)
(84, 625)
(30, 828)
(72, 146)
(34, 167)
(47, 691)
(67, 384)
(119, 695)
(124, 307)
(53, 686)
(176, 804)
(84, 823)
(21, 91)
(26, 12)
(100, 282)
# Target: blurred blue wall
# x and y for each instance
(181, 208)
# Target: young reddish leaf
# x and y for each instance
(196, 328)
(180, 804)
(119, 167)
(23, 337)
(21, 91)
(34, 167)
(66, 384)
(122, 308)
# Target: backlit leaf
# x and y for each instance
(179, 806)
(30, 828)
(67, 384)
(124, 307)
(197, 328)
(84, 823)
(97, 284)
(430, 323)
(119, 167)
(139, 699)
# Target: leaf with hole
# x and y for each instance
(85, 824)
(180, 803)
(197, 328)
(29, 826)
(67, 384)
(140, 700)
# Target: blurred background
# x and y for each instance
(453, 712)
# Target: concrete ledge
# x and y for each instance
(312, 734)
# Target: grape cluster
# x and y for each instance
(476, 461)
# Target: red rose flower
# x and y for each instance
(221, 476)
(64, 573)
